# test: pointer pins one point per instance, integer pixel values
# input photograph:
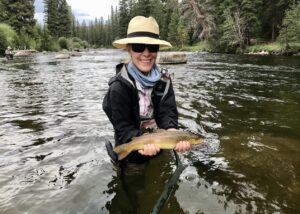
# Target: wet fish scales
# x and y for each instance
(161, 138)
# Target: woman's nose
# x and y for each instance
(146, 51)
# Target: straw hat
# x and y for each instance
(142, 30)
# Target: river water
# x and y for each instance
(52, 130)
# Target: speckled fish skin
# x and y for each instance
(161, 138)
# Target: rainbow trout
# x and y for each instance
(161, 138)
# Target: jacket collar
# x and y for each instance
(122, 76)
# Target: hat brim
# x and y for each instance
(122, 43)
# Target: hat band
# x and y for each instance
(143, 34)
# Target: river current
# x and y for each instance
(52, 130)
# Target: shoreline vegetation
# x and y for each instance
(261, 27)
(273, 48)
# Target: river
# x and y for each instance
(52, 130)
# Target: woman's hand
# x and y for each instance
(149, 150)
(182, 146)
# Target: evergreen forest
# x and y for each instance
(211, 25)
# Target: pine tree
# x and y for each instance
(272, 16)
(91, 29)
(95, 33)
(46, 39)
(167, 10)
(52, 17)
(182, 33)
(156, 10)
(77, 29)
(19, 14)
(173, 33)
(102, 33)
(123, 18)
(290, 31)
(83, 31)
(233, 30)
(107, 33)
(132, 8)
(64, 19)
(73, 25)
(250, 11)
(3, 11)
(143, 7)
(114, 23)
(58, 18)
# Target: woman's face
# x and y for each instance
(143, 59)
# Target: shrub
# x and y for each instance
(76, 45)
(24, 41)
(46, 40)
(63, 43)
(3, 42)
(54, 46)
(84, 44)
(9, 33)
(76, 39)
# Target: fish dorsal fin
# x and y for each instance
(159, 130)
(153, 131)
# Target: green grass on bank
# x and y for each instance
(200, 46)
(272, 48)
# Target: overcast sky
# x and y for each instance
(82, 9)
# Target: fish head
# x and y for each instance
(195, 139)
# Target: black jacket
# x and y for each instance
(121, 105)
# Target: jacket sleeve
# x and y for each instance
(121, 113)
(166, 113)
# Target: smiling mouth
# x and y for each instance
(146, 61)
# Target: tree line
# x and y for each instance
(227, 25)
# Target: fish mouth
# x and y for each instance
(196, 141)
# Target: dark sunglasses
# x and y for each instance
(139, 48)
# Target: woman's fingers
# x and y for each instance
(152, 149)
(183, 146)
(149, 150)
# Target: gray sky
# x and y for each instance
(82, 9)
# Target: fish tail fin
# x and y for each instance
(119, 148)
(122, 151)
(123, 154)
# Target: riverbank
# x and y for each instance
(275, 48)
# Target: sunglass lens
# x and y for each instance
(139, 48)
(153, 48)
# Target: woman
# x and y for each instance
(140, 97)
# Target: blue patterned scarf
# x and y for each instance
(146, 81)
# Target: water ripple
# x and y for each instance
(52, 130)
